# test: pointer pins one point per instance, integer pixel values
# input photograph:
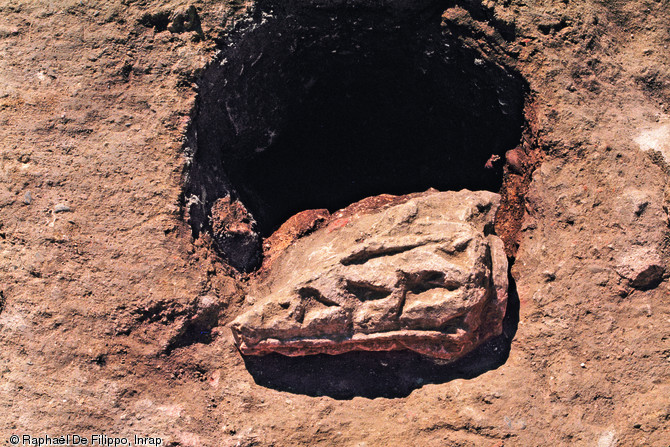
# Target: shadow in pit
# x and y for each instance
(381, 374)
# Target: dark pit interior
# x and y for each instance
(317, 107)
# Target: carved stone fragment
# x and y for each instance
(420, 272)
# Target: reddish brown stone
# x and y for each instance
(306, 222)
(293, 229)
(516, 160)
(415, 272)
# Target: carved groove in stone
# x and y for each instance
(418, 274)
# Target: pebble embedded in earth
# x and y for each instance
(61, 208)
(515, 160)
(642, 267)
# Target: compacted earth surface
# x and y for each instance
(122, 122)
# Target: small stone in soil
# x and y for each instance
(61, 208)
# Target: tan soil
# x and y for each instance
(102, 306)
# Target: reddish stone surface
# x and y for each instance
(413, 272)
(293, 229)
(308, 221)
(515, 160)
(373, 204)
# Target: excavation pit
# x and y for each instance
(312, 107)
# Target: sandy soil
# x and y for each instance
(106, 301)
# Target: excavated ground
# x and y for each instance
(305, 108)
(113, 308)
